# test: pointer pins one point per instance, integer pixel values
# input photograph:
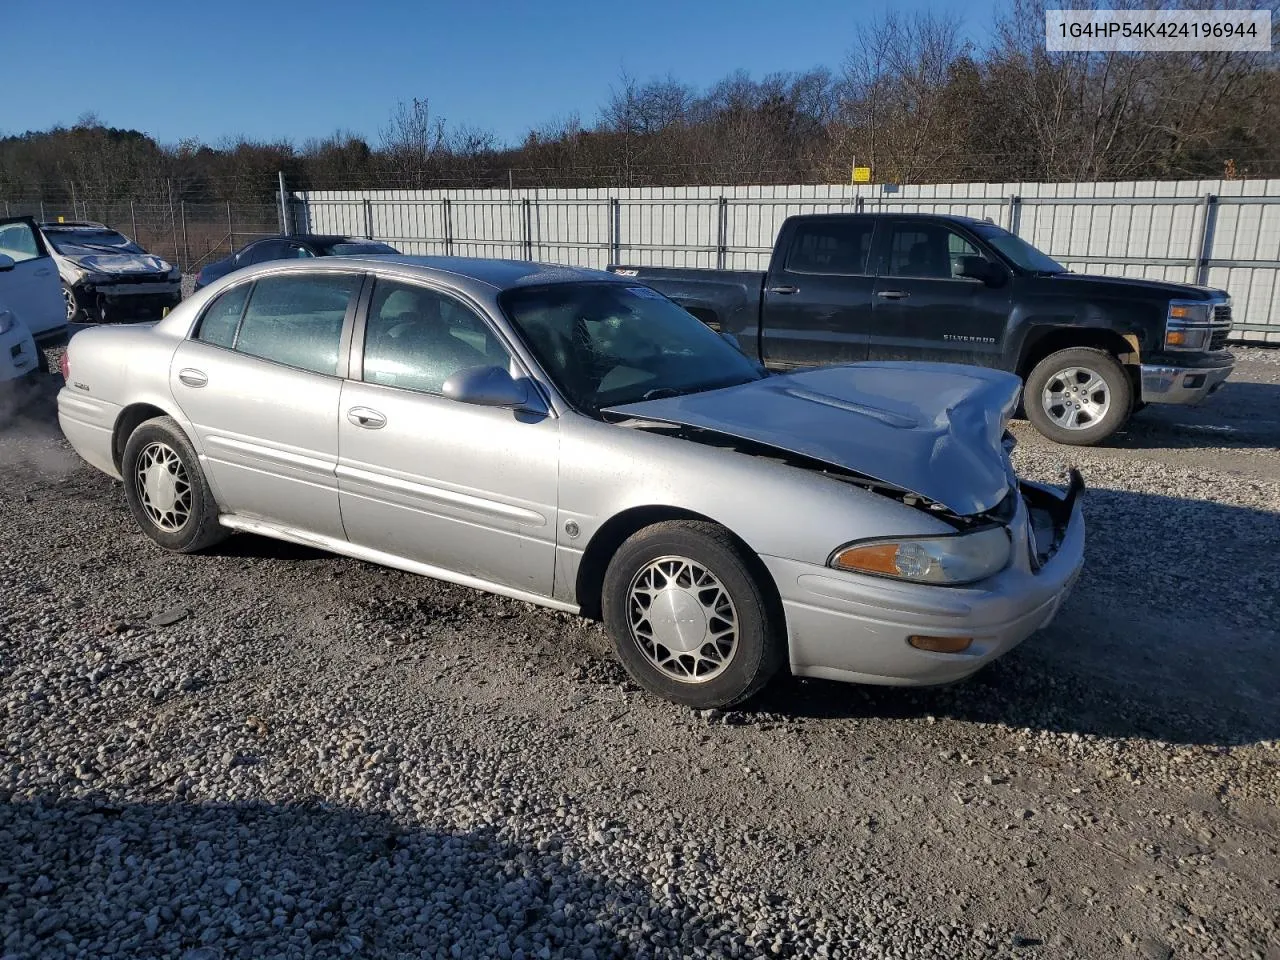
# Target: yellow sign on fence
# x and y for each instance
(861, 174)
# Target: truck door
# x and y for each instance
(817, 305)
(924, 310)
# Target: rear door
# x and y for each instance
(817, 296)
(31, 290)
(260, 381)
(465, 488)
(923, 309)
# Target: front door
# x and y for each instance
(31, 290)
(468, 489)
(923, 309)
(260, 380)
(817, 304)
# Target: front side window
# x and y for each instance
(297, 319)
(18, 242)
(269, 250)
(831, 246)
(416, 338)
(927, 250)
(220, 320)
(606, 344)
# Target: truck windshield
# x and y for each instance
(606, 344)
(1018, 250)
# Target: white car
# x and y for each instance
(29, 284)
(107, 276)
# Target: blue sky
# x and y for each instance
(274, 70)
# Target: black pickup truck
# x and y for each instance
(847, 287)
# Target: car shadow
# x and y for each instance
(1242, 415)
(1170, 634)
(185, 879)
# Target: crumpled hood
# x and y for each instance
(120, 263)
(935, 429)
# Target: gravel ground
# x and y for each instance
(270, 751)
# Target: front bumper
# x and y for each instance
(140, 300)
(1186, 385)
(845, 626)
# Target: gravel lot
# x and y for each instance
(266, 751)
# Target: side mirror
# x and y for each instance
(489, 387)
(6, 263)
(982, 270)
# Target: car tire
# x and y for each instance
(75, 313)
(1079, 396)
(166, 489)
(703, 577)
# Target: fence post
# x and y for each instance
(722, 228)
(284, 209)
(42, 211)
(1208, 224)
(1015, 213)
(173, 220)
(446, 213)
(528, 228)
(7, 211)
(231, 231)
(368, 219)
(186, 246)
(615, 230)
(133, 218)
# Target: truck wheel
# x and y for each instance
(1078, 396)
(689, 618)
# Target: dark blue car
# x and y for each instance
(297, 247)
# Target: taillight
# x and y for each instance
(64, 365)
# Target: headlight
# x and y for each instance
(956, 559)
(1187, 327)
(7, 322)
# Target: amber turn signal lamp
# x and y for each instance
(1175, 338)
(873, 558)
(940, 644)
(1179, 313)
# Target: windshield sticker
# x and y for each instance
(647, 292)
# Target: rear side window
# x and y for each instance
(218, 326)
(831, 246)
(297, 320)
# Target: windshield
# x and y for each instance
(1018, 250)
(352, 247)
(606, 344)
(77, 243)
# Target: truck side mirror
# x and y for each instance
(6, 263)
(982, 270)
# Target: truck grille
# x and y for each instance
(1222, 323)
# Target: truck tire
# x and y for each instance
(1078, 396)
(689, 616)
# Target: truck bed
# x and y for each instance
(726, 300)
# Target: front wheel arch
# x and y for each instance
(615, 531)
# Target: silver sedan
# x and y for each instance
(576, 440)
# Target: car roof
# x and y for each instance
(499, 274)
(76, 225)
(319, 238)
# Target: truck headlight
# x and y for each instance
(1188, 325)
(948, 560)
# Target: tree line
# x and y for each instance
(914, 100)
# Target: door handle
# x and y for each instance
(893, 294)
(192, 377)
(784, 289)
(364, 417)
